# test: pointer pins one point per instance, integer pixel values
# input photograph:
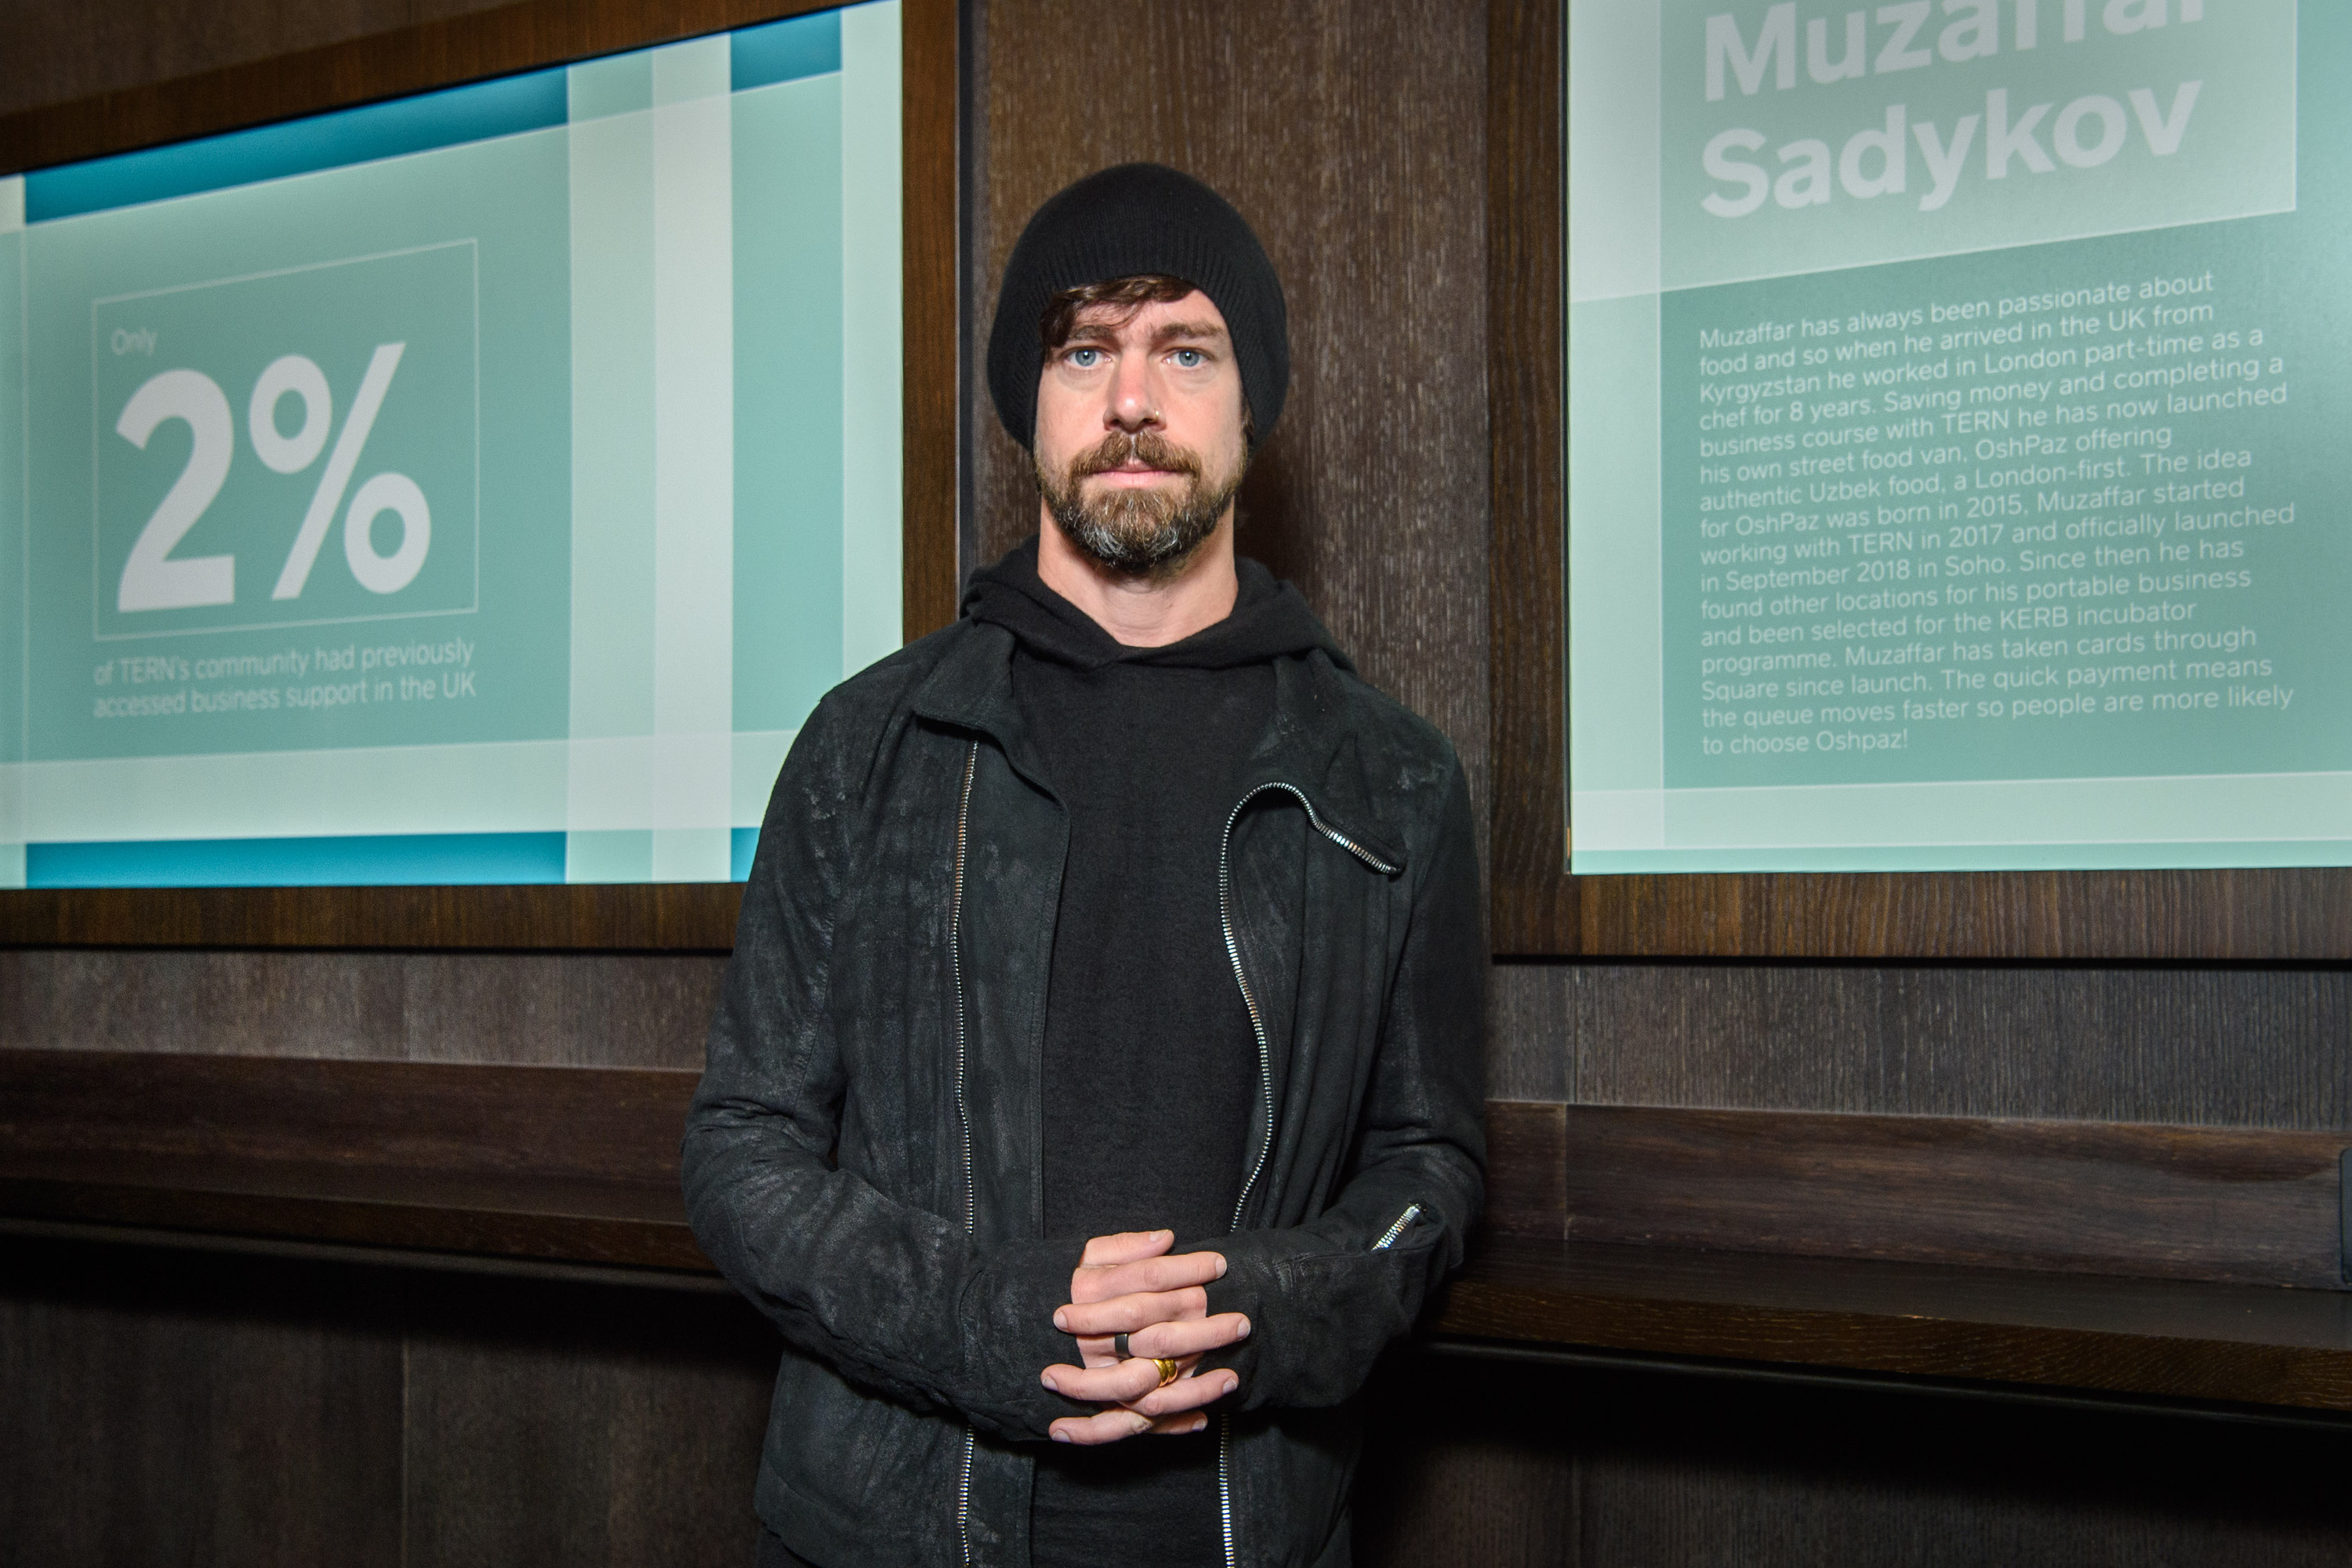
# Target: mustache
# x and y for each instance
(1146, 447)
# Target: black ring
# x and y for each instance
(1118, 1348)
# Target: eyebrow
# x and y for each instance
(1168, 331)
(1207, 331)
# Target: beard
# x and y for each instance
(1138, 532)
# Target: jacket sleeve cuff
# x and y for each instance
(1010, 1339)
(1319, 1315)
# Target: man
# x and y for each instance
(1095, 1089)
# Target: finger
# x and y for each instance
(1167, 1425)
(1186, 1393)
(1116, 1425)
(1096, 1350)
(1120, 1384)
(1177, 1341)
(1127, 1246)
(1165, 1273)
(1125, 1314)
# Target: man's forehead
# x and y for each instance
(1195, 314)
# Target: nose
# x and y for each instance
(1133, 406)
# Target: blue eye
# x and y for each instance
(1189, 359)
(1084, 359)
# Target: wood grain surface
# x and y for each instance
(2251, 1204)
(1703, 1471)
(2250, 1344)
(626, 1426)
(222, 82)
(71, 52)
(161, 1409)
(411, 1119)
(504, 1219)
(581, 1166)
(2244, 1344)
(1468, 1465)
(2281, 915)
(1475, 1462)
(541, 1162)
(161, 1406)
(2221, 1045)
(1526, 396)
(1353, 136)
(1527, 1169)
(692, 916)
(543, 1009)
(930, 75)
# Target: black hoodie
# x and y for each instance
(1150, 1065)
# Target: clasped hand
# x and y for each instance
(1129, 1284)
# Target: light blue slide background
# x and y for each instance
(2257, 193)
(626, 706)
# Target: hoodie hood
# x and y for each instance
(1270, 620)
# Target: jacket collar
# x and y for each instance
(1306, 745)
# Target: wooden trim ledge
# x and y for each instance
(2255, 1345)
(530, 1169)
(2238, 1343)
(614, 1225)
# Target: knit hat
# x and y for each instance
(1138, 220)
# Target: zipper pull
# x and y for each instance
(1412, 1213)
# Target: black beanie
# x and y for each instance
(1138, 220)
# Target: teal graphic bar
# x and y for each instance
(419, 859)
(789, 50)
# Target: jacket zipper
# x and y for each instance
(1387, 1236)
(1266, 1082)
(963, 1112)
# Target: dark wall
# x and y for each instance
(178, 1408)
(161, 1407)
(1353, 137)
(56, 53)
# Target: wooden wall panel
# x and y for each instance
(1525, 390)
(2298, 915)
(566, 1009)
(2213, 1046)
(563, 1427)
(1473, 1463)
(1684, 1473)
(158, 1409)
(1531, 1053)
(1353, 136)
(1467, 1465)
(79, 50)
(2255, 1205)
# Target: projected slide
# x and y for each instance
(1958, 396)
(480, 487)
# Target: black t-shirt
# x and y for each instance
(1150, 1072)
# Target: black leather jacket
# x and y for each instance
(862, 1157)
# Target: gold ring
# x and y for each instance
(1166, 1370)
